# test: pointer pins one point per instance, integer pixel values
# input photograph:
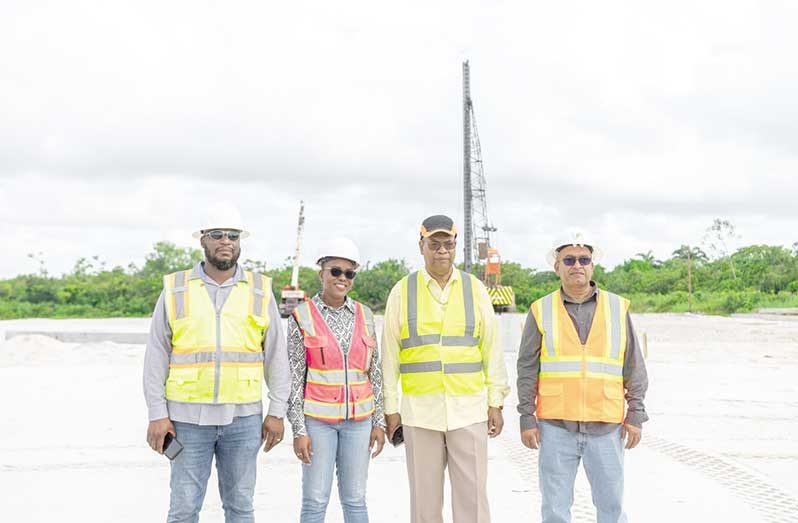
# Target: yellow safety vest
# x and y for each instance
(216, 357)
(581, 382)
(440, 343)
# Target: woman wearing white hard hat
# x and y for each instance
(335, 407)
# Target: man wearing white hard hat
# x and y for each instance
(581, 385)
(335, 407)
(215, 337)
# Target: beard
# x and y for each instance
(222, 265)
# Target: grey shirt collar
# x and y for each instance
(199, 272)
(591, 297)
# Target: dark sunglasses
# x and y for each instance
(218, 235)
(337, 271)
(435, 246)
(570, 261)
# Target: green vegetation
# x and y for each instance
(752, 277)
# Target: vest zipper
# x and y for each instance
(321, 350)
(584, 381)
(218, 362)
(346, 384)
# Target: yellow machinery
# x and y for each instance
(502, 296)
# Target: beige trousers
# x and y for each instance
(465, 451)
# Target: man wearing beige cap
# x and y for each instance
(440, 338)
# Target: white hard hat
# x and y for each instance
(221, 216)
(339, 247)
(574, 238)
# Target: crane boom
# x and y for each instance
(475, 201)
(299, 227)
(475, 208)
(292, 295)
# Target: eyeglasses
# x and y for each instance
(435, 246)
(217, 235)
(335, 272)
(570, 261)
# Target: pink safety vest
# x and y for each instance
(336, 390)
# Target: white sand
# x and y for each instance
(723, 405)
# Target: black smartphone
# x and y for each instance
(398, 437)
(171, 447)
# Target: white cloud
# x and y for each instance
(642, 122)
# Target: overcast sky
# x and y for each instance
(639, 122)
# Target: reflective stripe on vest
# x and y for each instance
(335, 412)
(336, 377)
(440, 351)
(217, 357)
(368, 319)
(581, 381)
(414, 340)
(333, 393)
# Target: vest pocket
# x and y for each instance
(249, 384)
(551, 400)
(360, 352)
(324, 393)
(613, 402)
(255, 331)
(362, 396)
(181, 385)
(314, 351)
(258, 321)
(185, 333)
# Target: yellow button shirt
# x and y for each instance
(442, 411)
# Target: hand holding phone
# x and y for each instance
(171, 446)
(398, 437)
(156, 432)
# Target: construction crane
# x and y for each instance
(475, 208)
(292, 295)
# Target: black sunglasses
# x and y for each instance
(570, 261)
(217, 235)
(337, 271)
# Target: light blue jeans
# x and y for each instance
(343, 446)
(236, 449)
(558, 462)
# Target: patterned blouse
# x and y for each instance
(341, 322)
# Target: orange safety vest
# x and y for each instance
(337, 387)
(581, 382)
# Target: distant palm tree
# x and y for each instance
(649, 258)
(692, 255)
(695, 253)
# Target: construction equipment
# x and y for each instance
(292, 295)
(475, 207)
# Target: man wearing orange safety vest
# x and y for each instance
(215, 337)
(440, 339)
(581, 384)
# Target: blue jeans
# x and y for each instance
(344, 446)
(236, 449)
(560, 453)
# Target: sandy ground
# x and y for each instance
(721, 444)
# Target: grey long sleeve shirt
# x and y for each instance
(159, 348)
(635, 377)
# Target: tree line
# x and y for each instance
(749, 278)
